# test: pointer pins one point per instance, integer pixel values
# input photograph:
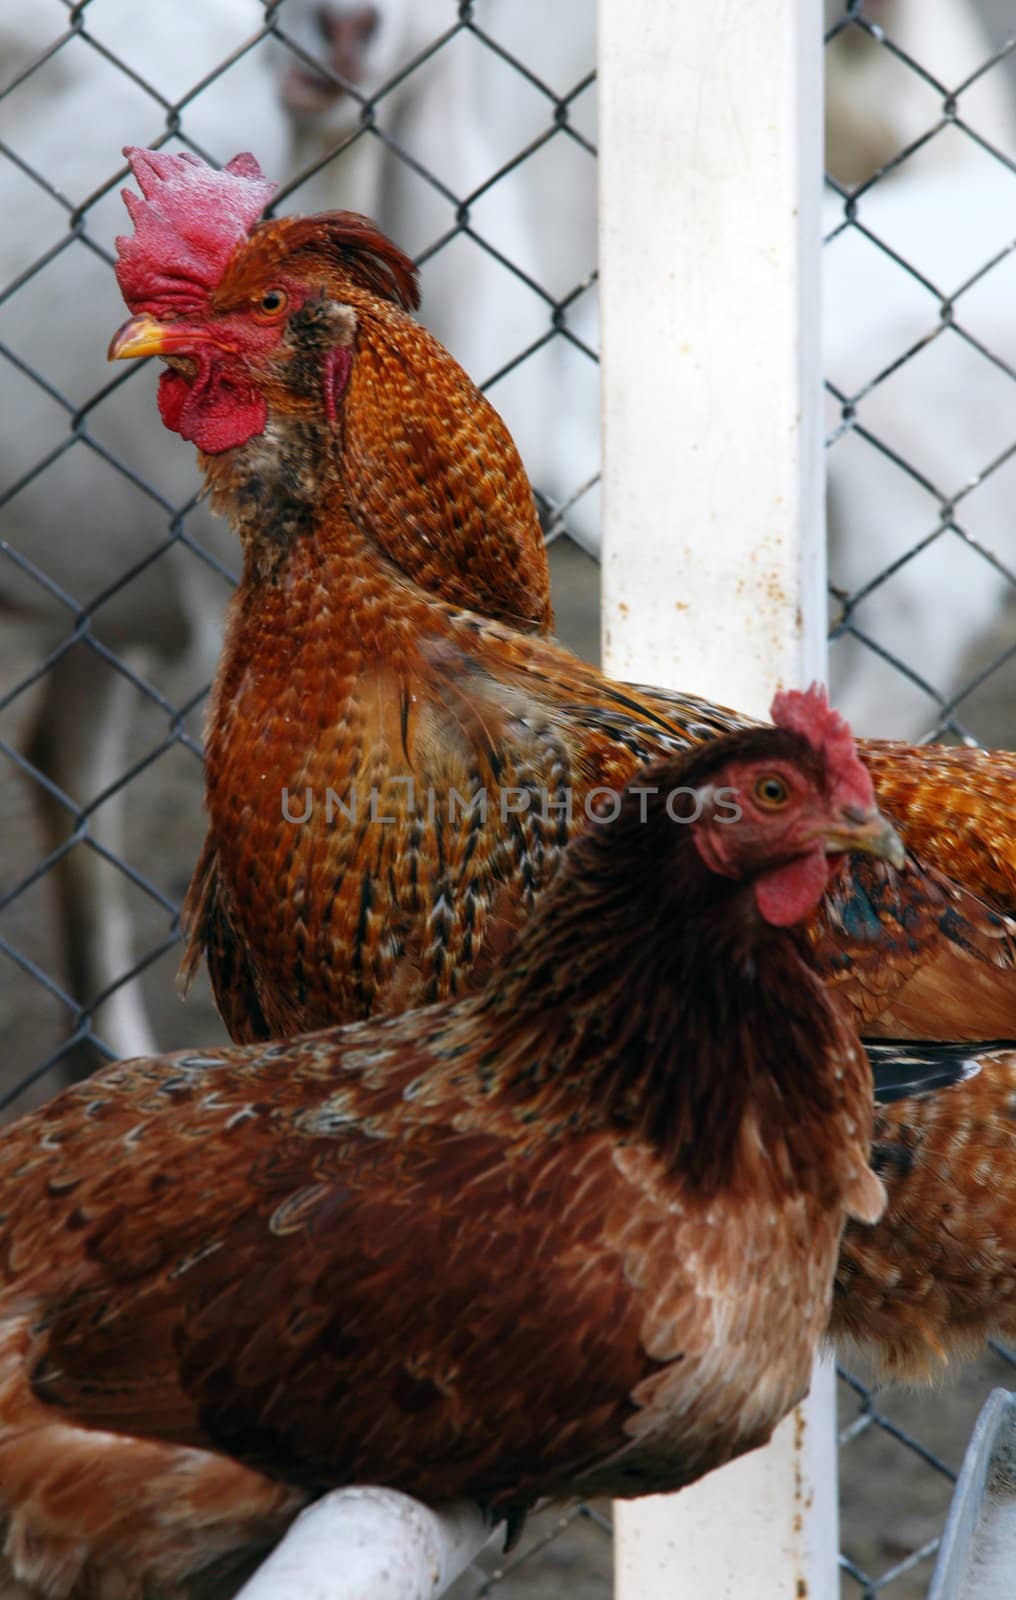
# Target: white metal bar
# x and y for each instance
(713, 560)
(977, 1556)
(370, 1544)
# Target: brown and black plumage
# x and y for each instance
(937, 1275)
(382, 508)
(574, 1234)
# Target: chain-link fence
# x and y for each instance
(469, 131)
(920, 358)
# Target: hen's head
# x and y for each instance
(246, 313)
(774, 804)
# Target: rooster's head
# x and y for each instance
(246, 313)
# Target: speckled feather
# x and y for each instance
(505, 1247)
(345, 650)
(937, 1275)
(357, 687)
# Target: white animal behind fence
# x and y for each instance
(922, 461)
(92, 514)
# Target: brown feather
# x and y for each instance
(938, 1273)
(575, 1234)
(343, 241)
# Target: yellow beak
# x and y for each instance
(143, 336)
(872, 835)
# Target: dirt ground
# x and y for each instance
(892, 1499)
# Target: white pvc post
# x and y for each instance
(370, 1544)
(713, 557)
(710, 229)
(762, 1528)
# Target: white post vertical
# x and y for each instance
(714, 549)
(710, 190)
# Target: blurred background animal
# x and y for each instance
(948, 415)
(920, 471)
(91, 498)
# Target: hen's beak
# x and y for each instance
(868, 832)
(143, 336)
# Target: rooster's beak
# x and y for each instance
(143, 336)
(869, 833)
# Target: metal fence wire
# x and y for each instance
(469, 130)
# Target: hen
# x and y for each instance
(575, 1234)
(391, 778)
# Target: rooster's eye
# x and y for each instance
(771, 791)
(273, 303)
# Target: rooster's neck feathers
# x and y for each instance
(399, 461)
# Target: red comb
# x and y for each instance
(188, 221)
(810, 714)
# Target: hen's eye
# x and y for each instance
(771, 791)
(273, 302)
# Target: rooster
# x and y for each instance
(572, 1235)
(387, 645)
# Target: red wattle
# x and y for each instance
(788, 894)
(172, 399)
(212, 412)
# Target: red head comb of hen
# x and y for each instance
(810, 714)
(188, 221)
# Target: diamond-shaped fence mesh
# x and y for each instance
(920, 227)
(469, 131)
(921, 367)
